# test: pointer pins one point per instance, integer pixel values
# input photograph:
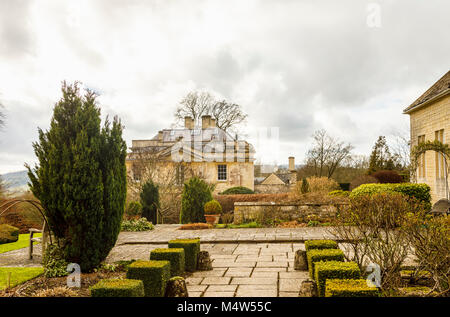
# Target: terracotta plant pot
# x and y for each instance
(212, 219)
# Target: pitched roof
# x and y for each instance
(440, 87)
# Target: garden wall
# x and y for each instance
(250, 211)
(272, 188)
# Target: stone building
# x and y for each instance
(278, 182)
(205, 151)
(429, 121)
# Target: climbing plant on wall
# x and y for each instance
(437, 147)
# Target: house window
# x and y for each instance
(421, 165)
(222, 172)
(439, 136)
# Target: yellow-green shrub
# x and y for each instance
(174, 255)
(334, 270)
(191, 249)
(154, 275)
(118, 288)
(349, 288)
(8, 234)
(320, 244)
(314, 256)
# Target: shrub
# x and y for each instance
(191, 249)
(140, 224)
(150, 201)
(196, 194)
(362, 179)
(8, 234)
(387, 176)
(118, 288)
(80, 178)
(174, 255)
(238, 190)
(154, 275)
(322, 184)
(349, 288)
(196, 226)
(304, 187)
(420, 192)
(339, 193)
(134, 209)
(320, 244)
(213, 208)
(314, 256)
(334, 270)
(53, 262)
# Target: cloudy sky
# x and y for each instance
(350, 67)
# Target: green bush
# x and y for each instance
(196, 194)
(314, 256)
(174, 255)
(8, 234)
(140, 224)
(118, 288)
(213, 208)
(191, 249)
(237, 191)
(80, 177)
(53, 262)
(154, 275)
(349, 288)
(320, 244)
(339, 193)
(150, 201)
(334, 270)
(134, 209)
(420, 192)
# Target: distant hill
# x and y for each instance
(15, 182)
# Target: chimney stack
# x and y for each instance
(160, 135)
(213, 123)
(206, 121)
(188, 122)
(291, 163)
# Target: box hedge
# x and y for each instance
(349, 288)
(118, 288)
(314, 256)
(334, 270)
(174, 255)
(320, 244)
(419, 191)
(191, 249)
(8, 234)
(154, 275)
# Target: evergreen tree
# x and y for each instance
(150, 201)
(381, 157)
(305, 186)
(81, 178)
(196, 194)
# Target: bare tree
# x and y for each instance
(327, 154)
(196, 104)
(2, 117)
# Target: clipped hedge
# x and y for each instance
(419, 191)
(174, 255)
(8, 234)
(191, 249)
(320, 244)
(334, 270)
(154, 275)
(238, 190)
(118, 288)
(349, 288)
(213, 207)
(314, 256)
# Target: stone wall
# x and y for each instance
(272, 188)
(250, 211)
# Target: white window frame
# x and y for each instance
(222, 173)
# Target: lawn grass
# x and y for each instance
(23, 242)
(19, 275)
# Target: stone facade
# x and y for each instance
(430, 120)
(250, 211)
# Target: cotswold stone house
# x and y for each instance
(175, 155)
(280, 182)
(430, 120)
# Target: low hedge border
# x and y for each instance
(191, 249)
(349, 288)
(174, 255)
(314, 256)
(320, 244)
(334, 270)
(8, 233)
(154, 275)
(118, 288)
